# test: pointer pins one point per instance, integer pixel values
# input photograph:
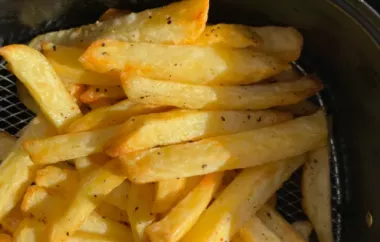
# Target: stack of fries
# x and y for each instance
(154, 126)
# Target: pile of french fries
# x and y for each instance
(155, 126)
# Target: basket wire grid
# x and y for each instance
(14, 116)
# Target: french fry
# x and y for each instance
(54, 178)
(245, 195)
(95, 93)
(64, 60)
(253, 97)
(316, 193)
(5, 237)
(7, 142)
(237, 238)
(279, 226)
(25, 97)
(287, 75)
(107, 210)
(17, 171)
(184, 215)
(178, 126)
(285, 43)
(32, 68)
(202, 65)
(85, 164)
(113, 13)
(91, 192)
(140, 202)
(304, 228)
(68, 146)
(254, 230)
(228, 177)
(12, 220)
(112, 115)
(76, 90)
(119, 196)
(246, 149)
(167, 193)
(272, 201)
(229, 35)
(168, 25)
(302, 108)
(102, 103)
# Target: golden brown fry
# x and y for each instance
(54, 178)
(184, 215)
(202, 65)
(168, 25)
(5, 237)
(229, 35)
(85, 164)
(246, 149)
(302, 108)
(275, 222)
(178, 126)
(316, 193)
(245, 195)
(32, 68)
(252, 97)
(12, 220)
(64, 60)
(95, 93)
(167, 194)
(112, 115)
(76, 90)
(68, 146)
(140, 202)
(304, 228)
(90, 193)
(7, 142)
(113, 13)
(272, 201)
(254, 230)
(285, 43)
(17, 171)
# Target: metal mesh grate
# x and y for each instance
(14, 116)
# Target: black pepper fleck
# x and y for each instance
(97, 90)
(136, 208)
(259, 119)
(54, 48)
(103, 44)
(104, 53)
(249, 116)
(204, 166)
(223, 119)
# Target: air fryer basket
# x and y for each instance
(341, 46)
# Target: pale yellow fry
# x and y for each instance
(17, 171)
(316, 193)
(12, 220)
(68, 146)
(207, 65)
(302, 108)
(109, 211)
(86, 164)
(304, 228)
(7, 142)
(279, 226)
(5, 237)
(287, 75)
(167, 194)
(64, 60)
(119, 196)
(177, 23)
(25, 97)
(140, 202)
(95, 93)
(229, 35)
(90, 193)
(246, 149)
(54, 178)
(285, 43)
(245, 195)
(102, 103)
(33, 69)
(255, 231)
(178, 126)
(228, 177)
(184, 215)
(252, 97)
(112, 115)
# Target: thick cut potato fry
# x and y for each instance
(167, 194)
(17, 171)
(285, 43)
(302, 108)
(245, 195)
(68, 146)
(107, 210)
(112, 115)
(95, 93)
(119, 196)
(25, 97)
(32, 68)
(5, 237)
(287, 75)
(272, 201)
(316, 193)
(91, 192)
(177, 23)
(229, 35)
(113, 13)
(76, 91)
(140, 202)
(54, 178)
(275, 222)
(304, 228)
(105, 102)
(184, 215)
(202, 65)
(86, 164)
(178, 126)
(253, 97)
(64, 60)
(12, 220)
(254, 230)
(7, 142)
(246, 149)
